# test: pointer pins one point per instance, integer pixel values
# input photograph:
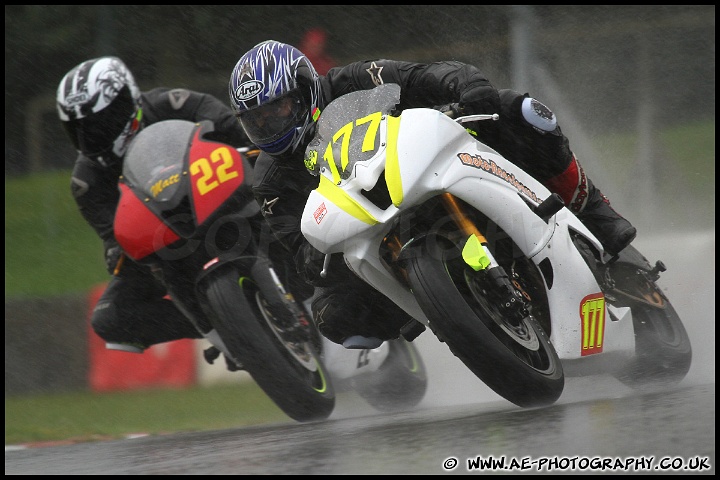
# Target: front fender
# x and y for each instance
(243, 263)
(412, 248)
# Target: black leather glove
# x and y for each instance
(452, 110)
(113, 255)
(480, 99)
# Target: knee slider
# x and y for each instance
(103, 320)
(538, 115)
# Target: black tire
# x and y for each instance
(663, 353)
(527, 375)
(399, 384)
(301, 387)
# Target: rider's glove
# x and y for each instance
(113, 255)
(479, 99)
(452, 110)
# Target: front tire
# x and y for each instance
(520, 364)
(290, 373)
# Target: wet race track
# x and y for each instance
(597, 426)
(639, 430)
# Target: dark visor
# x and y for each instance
(96, 133)
(271, 121)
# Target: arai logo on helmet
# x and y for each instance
(247, 90)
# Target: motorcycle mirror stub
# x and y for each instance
(549, 207)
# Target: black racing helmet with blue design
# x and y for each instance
(276, 96)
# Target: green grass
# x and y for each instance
(689, 149)
(49, 248)
(87, 416)
(681, 168)
(694, 146)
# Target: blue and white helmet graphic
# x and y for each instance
(275, 93)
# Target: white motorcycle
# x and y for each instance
(483, 254)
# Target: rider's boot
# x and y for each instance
(341, 319)
(592, 208)
(357, 319)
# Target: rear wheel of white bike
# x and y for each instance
(516, 360)
(662, 347)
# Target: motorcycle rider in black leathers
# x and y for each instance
(278, 96)
(102, 108)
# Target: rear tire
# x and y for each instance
(523, 367)
(663, 353)
(662, 350)
(292, 375)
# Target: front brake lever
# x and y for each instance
(473, 118)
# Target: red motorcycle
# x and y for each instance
(186, 208)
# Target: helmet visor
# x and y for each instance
(95, 134)
(270, 122)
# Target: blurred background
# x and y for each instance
(633, 87)
(628, 71)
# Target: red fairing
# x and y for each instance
(216, 173)
(138, 231)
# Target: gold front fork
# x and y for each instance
(475, 251)
(454, 209)
(468, 227)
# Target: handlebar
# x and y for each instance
(472, 118)
(454, 111)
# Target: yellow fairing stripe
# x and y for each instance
(338, 196)
(392, 165)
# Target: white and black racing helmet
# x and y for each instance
(99, 105)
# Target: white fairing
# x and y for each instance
(435, 155)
